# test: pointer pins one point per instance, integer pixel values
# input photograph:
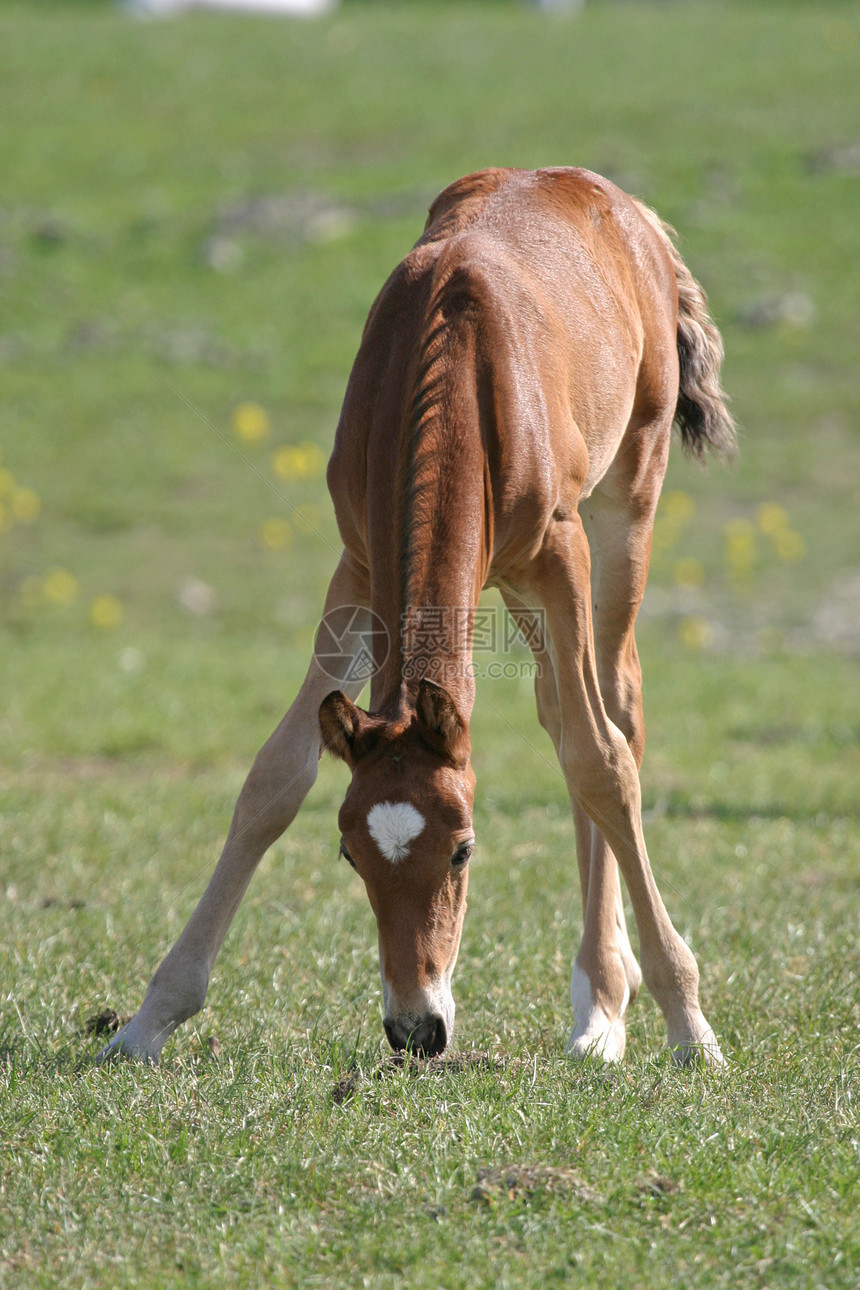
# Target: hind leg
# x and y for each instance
(282, 775)
(602, 776)
(600, 993)
(618, 534)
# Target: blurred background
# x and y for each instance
(196, 212)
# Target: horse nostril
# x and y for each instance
(436, 1038)
(392, 1036)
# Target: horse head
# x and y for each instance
(406, 828)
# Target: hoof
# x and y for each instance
(129, 1044)
(697, 1047)
(606, 1043)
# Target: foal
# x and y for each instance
(506, 424)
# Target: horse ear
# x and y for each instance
(341, 725)
(440, 723)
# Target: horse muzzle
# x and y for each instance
(427, 1037)
(423, 1021)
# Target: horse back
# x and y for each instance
(542, 304)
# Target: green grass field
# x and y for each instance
(194, 218)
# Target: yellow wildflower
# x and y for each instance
(696, 632)
(106, 612)
(678, 506)
(251, 422)
(298, 461)
(60, 586)
(789, 546)
(689, 573)
(771, 518)
(25, 505)
(741, 547)
(275, 534)
(307, 518)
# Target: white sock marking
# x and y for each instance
(393, 825)
(594, 1033)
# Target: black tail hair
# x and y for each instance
(701, 415)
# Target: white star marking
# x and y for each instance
(393, 825)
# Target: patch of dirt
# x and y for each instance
(779, 309)
(522, 1181)
(106, 1022)
(302, 215)
(50, 773)
(844, 159)
(346, 1087)
(444, 1065)
(836, 622)
(654, 1184)
(61, 902)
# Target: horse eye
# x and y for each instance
(461, 855)
(347, 857)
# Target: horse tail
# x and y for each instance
(701, 414)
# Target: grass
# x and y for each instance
(194, 217)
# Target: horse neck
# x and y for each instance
(440, 545)
(429, 525)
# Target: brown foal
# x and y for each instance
(506, 424)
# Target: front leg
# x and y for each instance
(280, 779)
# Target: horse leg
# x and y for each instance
(280, 778)
(618, 530)
(598, 995)
(602, 777)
